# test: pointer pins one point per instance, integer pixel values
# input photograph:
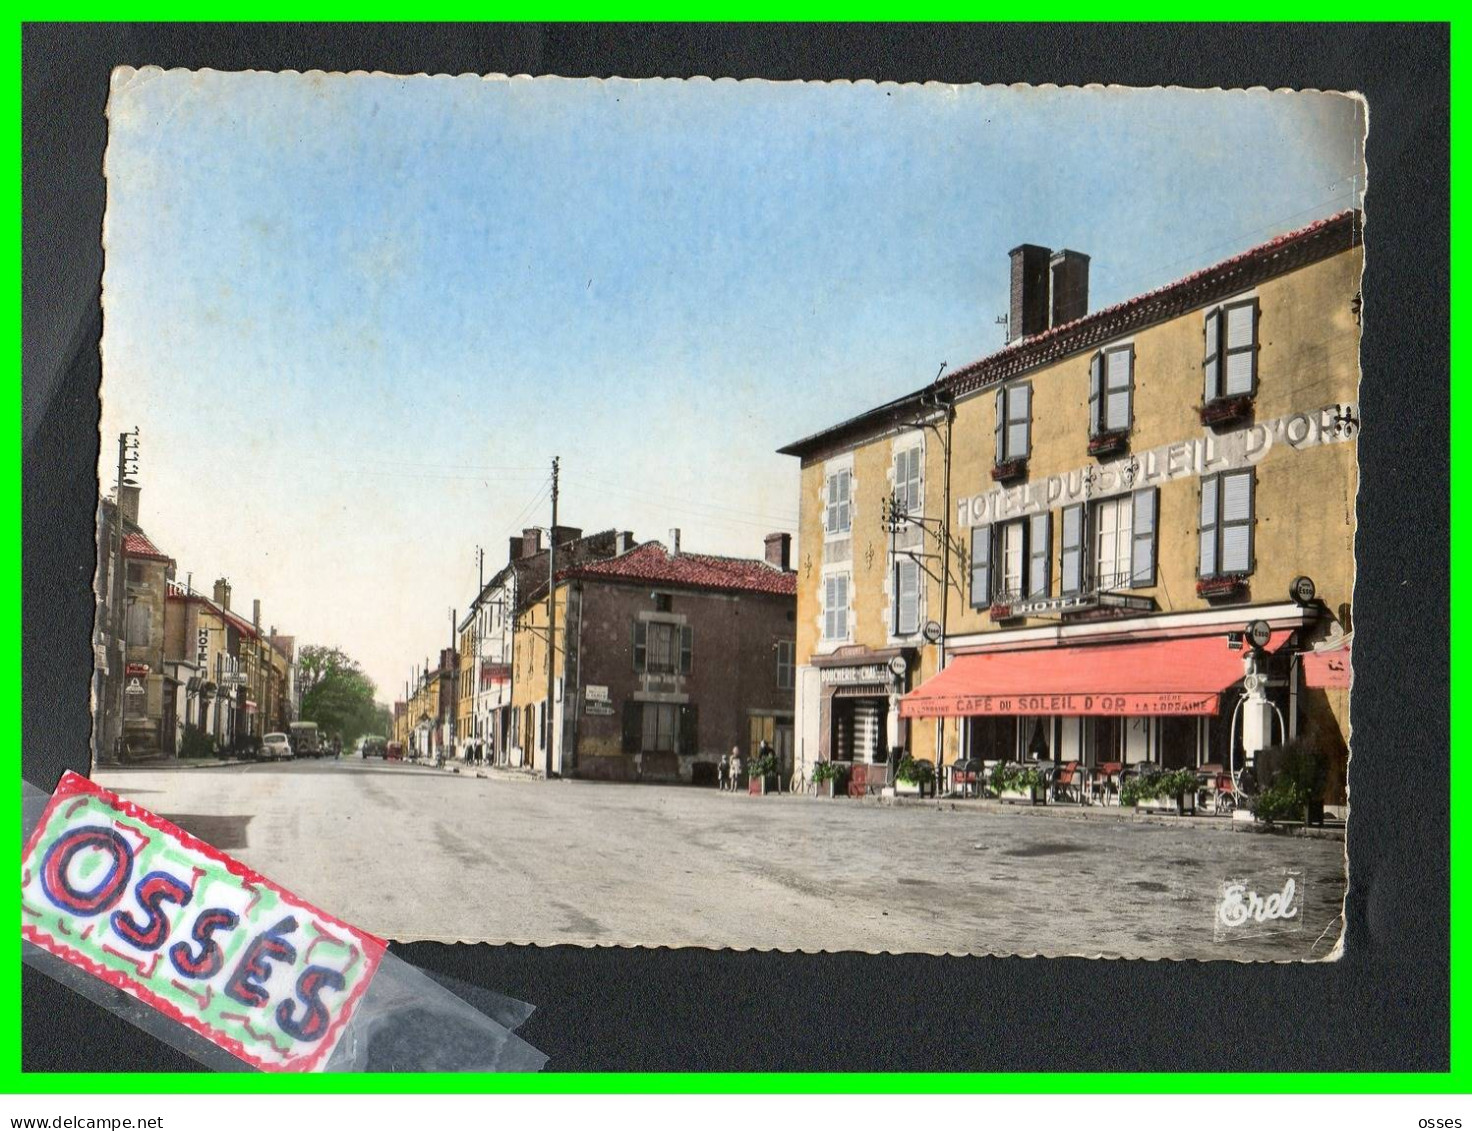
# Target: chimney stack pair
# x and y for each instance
(1049, 288)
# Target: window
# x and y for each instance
(139, 631)
(839, 511)
(785, 664)
(663, 647)
(1227, 516)
(907, 494)
(1011, 558)
(906, 621)
(1231, 350)
(835, 606)
(1113, 542)
(136, 575)
(660, 721)
(1014, 422)
(1111, 388)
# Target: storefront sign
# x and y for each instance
(137, 669)
(857, 673)
(1162, 703)
(596, 693)
(1204, 455)
(597, 708)
(149, 909)
(202, 651)
(135, 687)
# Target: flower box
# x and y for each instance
(1232, 585)
(1182, 804)
(1107, 443)
(823, 788)
(1002, 611)
(761, 784)
(1225, 410)
(1028, 795)
(1012, 469)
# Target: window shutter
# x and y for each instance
(1071, 560)
(1001, 425)
(1142, 563)
(1040, 552)
(981, 566)
(1241, 351)
(907, 602)
(687, 648)
(1207, 567)
(1096, 392)
(633, 726)
(1119, 379)
(841, 609)
(689, 730)
(1236, 522)
(1212, 364)
(641, 645)
(1019, 422)
(844, 506)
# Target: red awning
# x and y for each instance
(1327, 669)
(1179, 676)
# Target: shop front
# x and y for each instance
(1198, 696)
(859, 707)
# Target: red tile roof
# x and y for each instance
(652, 564)
(138, 546)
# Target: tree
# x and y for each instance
(336, 694)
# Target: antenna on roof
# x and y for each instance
(1002, 321)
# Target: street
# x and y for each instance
(409, 852)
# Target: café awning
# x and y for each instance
(1178, 676)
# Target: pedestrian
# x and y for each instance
(723, 771)
(736, 768)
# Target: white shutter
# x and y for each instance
(1070, 567)
(1213, 359)
(909, 598)
(1019, 421)
(1241, 349)
(981, 566)
(1237, 496)
(1142, 565)
(1118, 379)
(1237, 518)
(1208, 526)
(1039, 552)
(1096, 392)
(842, 610)
(1001, 425)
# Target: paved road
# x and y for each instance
(409, 852)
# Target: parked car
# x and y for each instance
(394, 752)
(275, 746)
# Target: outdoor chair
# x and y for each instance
(1104, 783)
(1070, 784)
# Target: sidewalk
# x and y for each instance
(166, 762)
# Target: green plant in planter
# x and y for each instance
(824, 771)
(1296, 791)
(1008, 777)
(765, 765)
(916, 773)
(1148, 787)
(196, 744)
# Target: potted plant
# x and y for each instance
(1226, 585)
(1296, 790)
(825, 778)
(1226, 410)
(1012, 782)
(1169, 791)
(916, 776)
(1107, 443)
(764, 773)
(1009, 470)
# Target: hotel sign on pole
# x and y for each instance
(202, 652)
(1204, 455)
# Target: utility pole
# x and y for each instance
(551, 623)
(454, 685)
(112, 748)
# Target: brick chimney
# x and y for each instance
(623, 542)
(1028, 314)
(779, 551)
(674, 541)
(562, 535)
(222, 593)
(531, 542)
(1070, 286)
(255, 614)
(514, 550)
(128, 502)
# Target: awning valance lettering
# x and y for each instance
(1180, 676)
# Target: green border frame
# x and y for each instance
(1457, 1080)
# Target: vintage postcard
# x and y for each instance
(812, 516)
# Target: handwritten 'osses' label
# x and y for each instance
(127, 896)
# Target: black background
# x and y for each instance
(1384, 1006)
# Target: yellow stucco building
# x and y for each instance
(1056, 551)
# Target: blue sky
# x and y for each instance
(354, 317)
